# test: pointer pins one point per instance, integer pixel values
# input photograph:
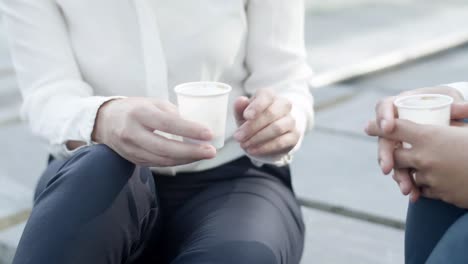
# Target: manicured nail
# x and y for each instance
(249, 114)
(239, 135)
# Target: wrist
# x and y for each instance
(98, 134)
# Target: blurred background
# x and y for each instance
(361, 50)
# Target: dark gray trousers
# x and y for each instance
(97, 207)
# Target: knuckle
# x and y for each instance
(270, 112)
(292, 122)
(288, 104)
(133, 155)
(164, 124)
(167, 106)
(277, 128)
(281, 144)
(125, 135)
(379, 104)
(266, 91)
(419, 161)
(135, 111)
(423, 162)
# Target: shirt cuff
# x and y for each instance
(462, 87)
(86, 126)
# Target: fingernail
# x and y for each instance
(239, 135)
(382, 164)
(249, 114)
(208, 149)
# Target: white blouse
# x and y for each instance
(72, 56)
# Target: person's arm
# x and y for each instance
(386, 115)
(276, 59)
(58, 104)
(437, 158)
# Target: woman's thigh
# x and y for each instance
(427, 222)
(247, 220)
(91, 208)
(452, 248)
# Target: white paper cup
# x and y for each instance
(425, 109)
(205, 103)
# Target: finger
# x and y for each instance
(415, 195)
(458, 124)
(404, 158)
(279, 109)
(142, 157)
(167, 106)
(386, 113)
(430, 193)
(403, 178)
(385, 152)
(274, 130)
(239, 107)
(173, 149)
(459, 111)
(174, 124)
(404, 131)
(416, 191)
(419, 179)
(261, 101)
(279, 145)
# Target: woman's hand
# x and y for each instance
(266, 126)
(385, 120)
(127, 125)
(437, 159)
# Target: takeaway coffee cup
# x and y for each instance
(205, 103)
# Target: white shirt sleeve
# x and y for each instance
(276, 59)
(58, 104)
(462, 87)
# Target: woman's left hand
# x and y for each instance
(438, 158)
(266, 126)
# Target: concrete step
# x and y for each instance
(342, 171)
(360, 36)
(9, 240)
(332, 239)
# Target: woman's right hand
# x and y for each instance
(385, 119)
(127, 125)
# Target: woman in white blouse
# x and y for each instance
(97, 77)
